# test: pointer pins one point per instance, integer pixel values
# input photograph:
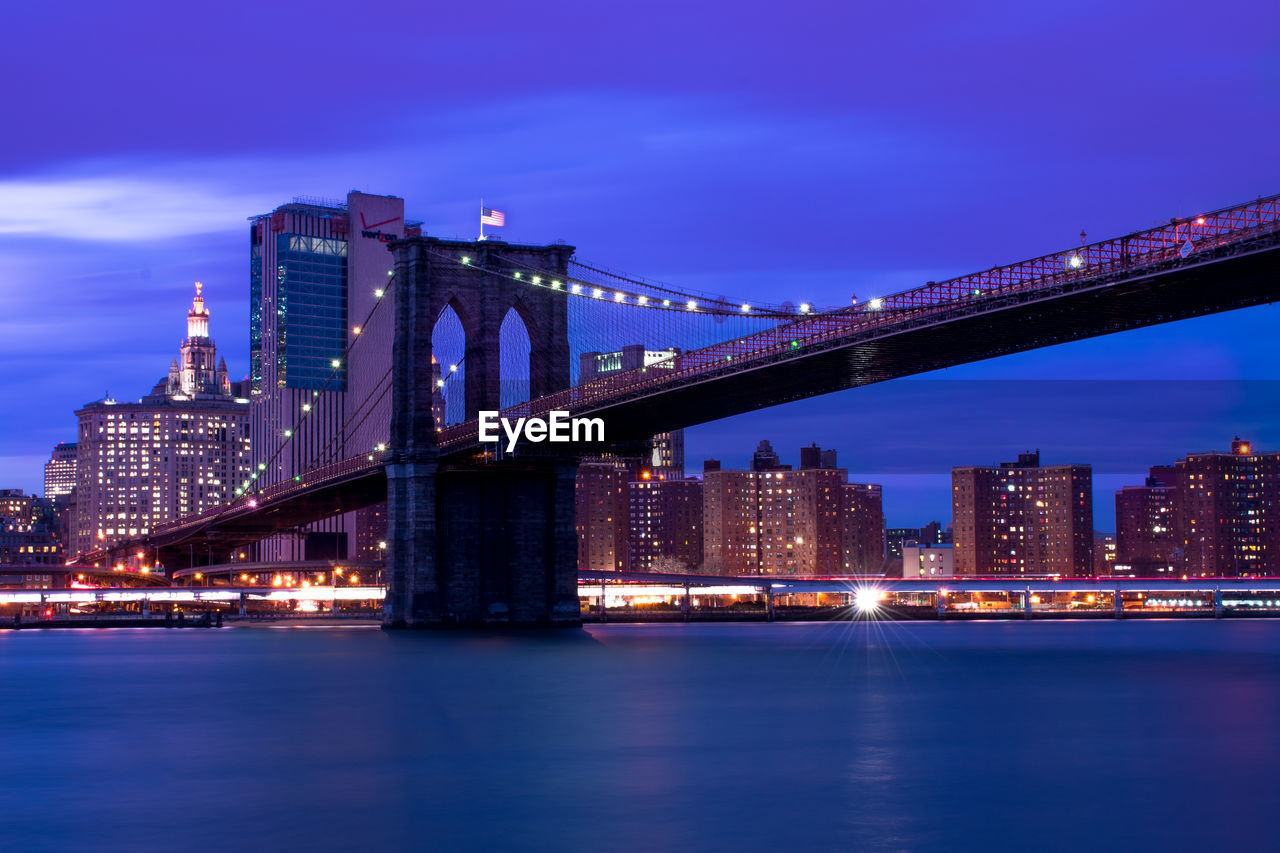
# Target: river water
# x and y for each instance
(1151, 735)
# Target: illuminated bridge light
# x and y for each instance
(1200, 220)
(1074, 262)
(619, 296)
(577, 288)
(804, 307)
(379, 292)
(555, 285)
(465, 259)
(746, 309)
(439, 383)
(356, 330)
(597, 293)
(666, 303)
(875, 304)
(537, 279)
(306, 407)
(336, 363)
(288, 433)
(453, 368)
(382, 448)
(642, 300)
(691, 305)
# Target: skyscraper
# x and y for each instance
(664, 524)
(1023, 519)
(60, 470)
(730, 521)
(318, 270)
(1228, 512)
(600, 515)
(864, 533)
(776, 521)
(1147, 542)
(27, 534)
(766, 458)
(182, 449)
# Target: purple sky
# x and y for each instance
(798, 151)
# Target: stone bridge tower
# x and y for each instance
(476, 542)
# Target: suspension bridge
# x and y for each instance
(477, 535)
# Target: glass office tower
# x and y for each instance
(315, 269)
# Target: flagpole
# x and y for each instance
(481, 217)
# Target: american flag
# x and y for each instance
(489, 216)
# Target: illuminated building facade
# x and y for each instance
(60, 470)
(864, 533)
(317, 270)
(1228, 512)
(1104, 554)
(1023, 519)
(19, 506)
(666, 451)
(601, 515)
(180, 450)
(664, 524)
(928, 560)
(778, 521)
(1147, 543)
(27, 533)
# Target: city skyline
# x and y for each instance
(123, 229)
(640, 426)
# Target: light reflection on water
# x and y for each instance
(1011, 736)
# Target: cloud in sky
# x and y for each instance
(118, 207)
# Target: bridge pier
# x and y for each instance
(940, 598)
(1217, 603)
(1117, 604)
(482, 544)
(1026, 603)
(479, 542)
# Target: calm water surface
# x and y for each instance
(917, 736)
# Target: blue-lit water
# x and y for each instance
(918, 736)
